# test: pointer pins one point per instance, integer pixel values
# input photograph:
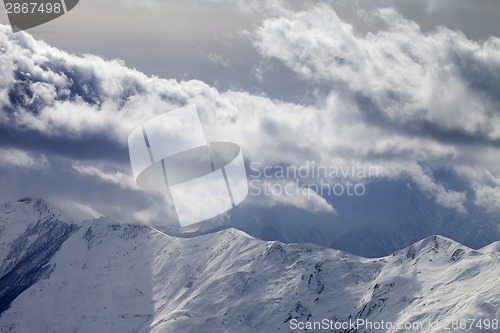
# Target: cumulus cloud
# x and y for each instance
(439, 82)
(397, 95)
(396, 98)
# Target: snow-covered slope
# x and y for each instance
(110, 277)
(31, 232)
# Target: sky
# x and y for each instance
(409, 88)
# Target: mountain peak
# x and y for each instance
(28, 206)
(437, 241)
(437, 246)
(232, 232)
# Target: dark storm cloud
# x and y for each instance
(94, 147)
(375, 115)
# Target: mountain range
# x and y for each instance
(58, 275)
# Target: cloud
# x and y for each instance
(395, 98)
(288, 193)
(397, 95)
(485, 186)
(447, 198)
(439, 81)
(488, 197)
(115, 177)
(15, 158)
(78, 211)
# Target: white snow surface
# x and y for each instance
(112, 277)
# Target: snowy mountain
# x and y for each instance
(112, 277)
(30, 234)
